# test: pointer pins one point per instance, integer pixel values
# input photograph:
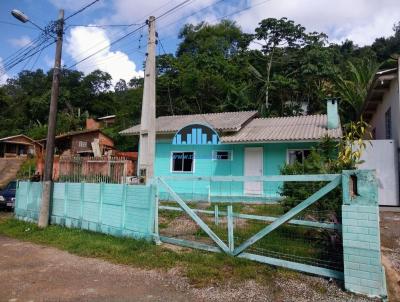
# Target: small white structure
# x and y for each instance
(382, 111)
(381, 155)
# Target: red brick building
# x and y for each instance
(83, 143)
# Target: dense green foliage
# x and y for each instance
(216, 68)
(322, 160)
(327, 157)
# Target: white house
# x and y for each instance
(382, 111)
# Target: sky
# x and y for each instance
(359, 20)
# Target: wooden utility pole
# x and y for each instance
(51, 132)
(148, 119)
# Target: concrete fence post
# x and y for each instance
(363, 271)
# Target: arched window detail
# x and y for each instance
(196, 134)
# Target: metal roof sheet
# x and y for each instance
(223, 122)
(294, 128)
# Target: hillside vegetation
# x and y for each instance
(280, 69)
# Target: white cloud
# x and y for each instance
(359, 20)
(21, 41)
(127, 11)
(84, 41)
(3, 76)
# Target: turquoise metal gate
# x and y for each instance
(304, 238)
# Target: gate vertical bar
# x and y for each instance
(216, 215)
(231, 242)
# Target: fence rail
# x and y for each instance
(93, 169)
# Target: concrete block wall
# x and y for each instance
(363, 272)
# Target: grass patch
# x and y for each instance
(200, 267)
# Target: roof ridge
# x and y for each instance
(210, 113)
(288, 117)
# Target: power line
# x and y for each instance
(112, 43)
(180, 5)
(24, 47)
(16, 24)
(29, 50)
(130, 33)
(243, 9)
(103, 25)
(37, 58)
(27, 55)
(112, 58)
(194, 13)
(168, 82)
(81, 10)
(219, 18)
(25, 51)
(121, 32)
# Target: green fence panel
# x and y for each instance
(116, 209)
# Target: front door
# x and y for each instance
(253, 166)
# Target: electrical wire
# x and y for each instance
(37, 58)
(81, 10)
(168, 81)
(19, 25)
(219, 18)
(194, 13)
(18, 56)
(103, 25)
(130, 33)
(39, 49)
(107, 46)
(243, 9)
(28, 51)
(23, 48)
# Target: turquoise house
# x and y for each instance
(234, 144)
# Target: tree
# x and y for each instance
(385, 48)
(352, 86)
(120, 86)
(276, 33)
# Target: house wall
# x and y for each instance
(85, 139)
(274, 157)
(105, 140)
(390, 99)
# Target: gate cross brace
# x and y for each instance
(196, 218)
(289, 215)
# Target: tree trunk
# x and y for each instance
(268, 77)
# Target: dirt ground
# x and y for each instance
(30, 272)
(390, 242)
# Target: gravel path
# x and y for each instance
(390, 242)
(31, 272)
